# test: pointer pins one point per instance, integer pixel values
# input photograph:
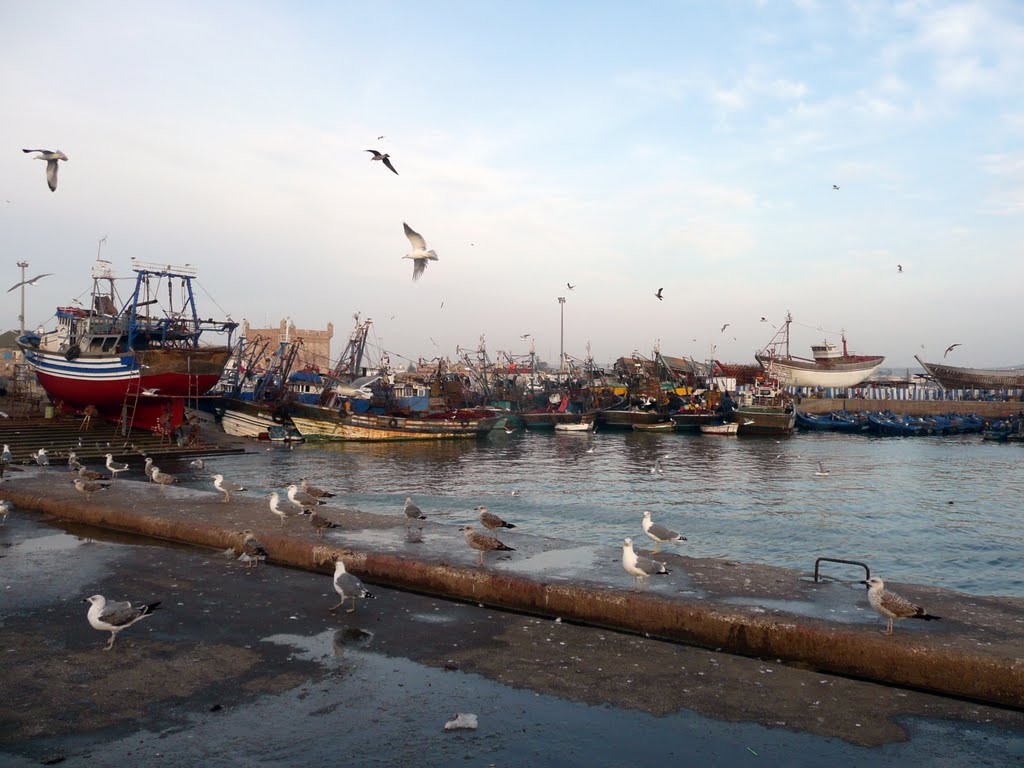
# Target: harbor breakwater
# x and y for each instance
(750, 609)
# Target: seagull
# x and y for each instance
(197, 464)
(302, 500)
(525, 336)
(899, 267)
(114, 466)
(312, 490)
(29, 282)
(656, 469)
(658, 533)
(383, 158)
(835, 186)
(5, 510)
(149, 468)
(281, 513)
(381, 137)
(51, 159)
(570, 286)
(347, 585)
(482, 543)
(640, 567)
(950, 349)
(822, 472)
(724, 327)
(658, 294)
(321, 523)
(252, 550)
(162, 478)
(419, 253)
(226, 487)
(6, 457)
(113, 617)
(892, 606)
(41, 458)
(491, 521)
(412, 511)
(73, 461)
(89, 488)
(90, 475)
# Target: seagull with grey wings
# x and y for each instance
(347, 586)
(950, 348)
(640, 568)
(383, 158)
(659, 534)
(114, 617)
(891, 606)
(29, 282)
(419, 253)
(51, 157)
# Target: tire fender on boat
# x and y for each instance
(72, 352)
(393, 422)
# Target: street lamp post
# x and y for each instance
(21, 317)
(561, 342)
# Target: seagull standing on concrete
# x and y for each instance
(6, 456)
(226, 487)
(321, 523)
(312, 490)
(150, 468)
(412, 511)
(115, 466)
(303, 501)
(892, 606)
(252, 550)
(284, 514)
(51, 157)
(347, 585)
(89, 488)
(659, 534)
(5, 510)
(383, 158)
(29, 282)
(41, 458)
(114, 617)
(640, 567)
(73, 463)
(162, 478)
(482, 543)
(491, 521)
(90, 475)
(419, 253)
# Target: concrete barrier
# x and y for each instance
(750, 609)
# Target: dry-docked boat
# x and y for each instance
(950, 377)
(321, 423)
(829, 368)
(135, 362)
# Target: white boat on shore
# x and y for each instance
(581, 426)
(828, 368)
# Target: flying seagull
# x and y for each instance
(659, 534)
(658, 294)
(51, 159)
(950, 349)
(29, 282)
(383, 158)
(525, 336)
(570, 286)
(822, 472)
(113, 617)
(725, 326)
(419, 253)
(835, 186)
(892, 606)
(899, 267)
(347, 585)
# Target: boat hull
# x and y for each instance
(793, 372)
(111, 382)
(951, 377)
(691, 421)
(720, 429)
(765, 420)
(326, 424)
(625, 419)
(548, 420)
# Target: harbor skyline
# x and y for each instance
(748, 158)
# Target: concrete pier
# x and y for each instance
(976, 651)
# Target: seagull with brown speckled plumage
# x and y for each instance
(482, 543)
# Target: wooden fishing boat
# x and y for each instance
(720, 429)
(319, 423)
(950, 377)
(765, 410)
(583, 426)
(661, 426)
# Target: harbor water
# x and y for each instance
(940, 510)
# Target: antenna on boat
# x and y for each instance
(99, 247)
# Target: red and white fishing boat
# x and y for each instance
(135, 362)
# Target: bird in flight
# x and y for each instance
(29, 282)
(51, 159)
(835, 186)
(526, 336)
(383, 158)
(949, 349)
(381, 137)
(570, 286)
(658, 294)
(419, 253)
(725, 326)
(899, 267)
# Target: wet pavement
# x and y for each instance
(246, 666)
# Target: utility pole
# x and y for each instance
(21, 317)
(561, 343)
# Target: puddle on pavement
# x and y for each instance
(830, 611)
(325, 646)
(569, 561)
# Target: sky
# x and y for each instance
(619, 147)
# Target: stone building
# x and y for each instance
(314, 351)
